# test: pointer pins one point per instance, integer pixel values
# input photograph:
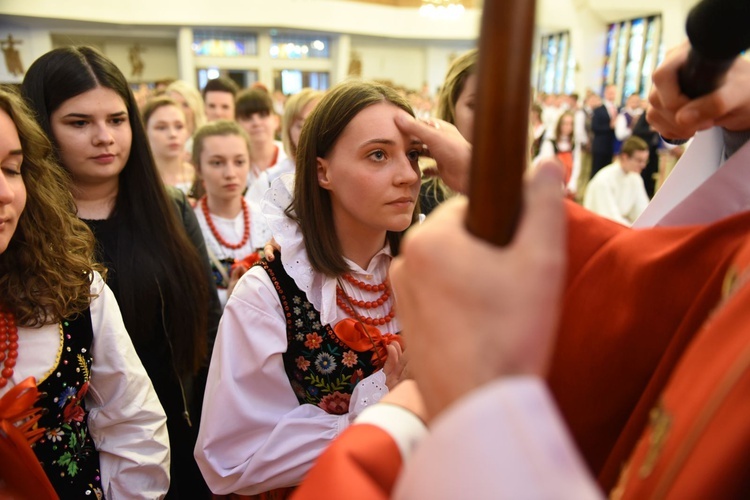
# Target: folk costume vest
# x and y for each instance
(322, 369)
(66, 451)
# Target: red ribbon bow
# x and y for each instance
(361, 338)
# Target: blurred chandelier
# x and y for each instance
(441, 9)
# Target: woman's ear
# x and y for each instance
(323, 180)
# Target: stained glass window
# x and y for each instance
(634, 48)
(224, 43)
(299, 46)
(556, 67)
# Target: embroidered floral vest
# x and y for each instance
(322, 370)
(66, 451)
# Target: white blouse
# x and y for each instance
(255, 435)
(126, 420)
(232, 230)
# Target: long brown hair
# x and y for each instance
(45, 273)
(311, 206)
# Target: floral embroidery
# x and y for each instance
(302, 363)
(313, 341)
(54, 434)
(321, 369)
(350, 359)
(336, 403)
(66, 394)
(66, 450)
(325, 363)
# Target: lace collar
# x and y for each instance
(319, 288)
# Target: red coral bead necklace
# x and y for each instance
(8, 346)
(215, 232)
(345, 302)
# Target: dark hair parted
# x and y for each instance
(220, 84)
(164, 265)
(45, 273)
(311, 206)
(253, 101)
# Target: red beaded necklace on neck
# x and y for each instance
(343, 300)
(215, 232)
(8, 346)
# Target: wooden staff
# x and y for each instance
(501, 122)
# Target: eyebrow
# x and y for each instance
(15, 152)
(389, 142)
(83, 115)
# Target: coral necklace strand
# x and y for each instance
(215, 232)
(8, 346)
(342, 298)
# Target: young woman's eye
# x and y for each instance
(78, 123)
(216, 163)
(413, 155)
(11, 170)
(119, 120)
(241, 162)
(378, 155)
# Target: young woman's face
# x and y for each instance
(299, 121)
(566, 127)
(224, 166)
(167, 132)
(261, 127)
(12, 188)
(186, 109)
(372, 173)
(464, 115)
(93, 135)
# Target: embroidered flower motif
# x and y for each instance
(308, 305)
(312, 390)
(325, 363)
(299, 337)
(297, 300)
(66, 394)
(311, 315)
(55, 434)
(313, 341)
(297, 311)
(350, 359)
(357, 376)
(336, 403)
(302, 363)
(316, 325)
(299, 323)
(73, 412)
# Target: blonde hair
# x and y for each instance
(194, 101)
(294, 106)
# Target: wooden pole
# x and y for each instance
(501, 123)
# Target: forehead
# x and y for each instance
(96, 99)
(8, 133)
(167, 111)
(219, 96)
(229, 144)
(374, 121)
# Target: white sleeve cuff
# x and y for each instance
(406, 429)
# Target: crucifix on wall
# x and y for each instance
(136, 62)
(12, 56)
